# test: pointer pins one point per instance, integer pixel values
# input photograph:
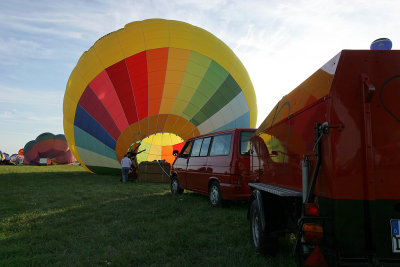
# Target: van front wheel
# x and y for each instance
(175, 189)
(215, 195)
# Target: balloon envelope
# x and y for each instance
(16, 158)
(157, 82)
(48, 145)
(381, 44)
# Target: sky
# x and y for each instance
(280, 43)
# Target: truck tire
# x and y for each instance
(263, 241)
(175, 189)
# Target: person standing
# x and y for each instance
(125, 166)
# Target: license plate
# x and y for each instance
(395, 224)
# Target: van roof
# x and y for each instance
(224, 131)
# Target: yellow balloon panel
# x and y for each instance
(181, 35)
(89, 66)
(204, 43)
(156, 33)
(108, 50)
(131, 39)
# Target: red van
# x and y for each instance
(215, 164)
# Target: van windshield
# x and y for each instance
(245, 142)
(186, 150)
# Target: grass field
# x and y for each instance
(62, 215)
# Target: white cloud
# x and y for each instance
(6, 115)
(33, 26)
(44, 118)
(20, 96)
(24, 114)
(12, 49)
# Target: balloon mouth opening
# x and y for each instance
(160, 139)
(158, 146)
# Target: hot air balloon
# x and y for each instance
(2, 158)
(154, 83)
(50, 146)
(17, 159)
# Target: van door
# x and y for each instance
(196, 166)
(219, 160)
(199, 179)
(181, 162)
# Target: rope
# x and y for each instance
(163, 169)
(381, 98)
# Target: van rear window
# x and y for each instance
(221, 145)
(205, 146)
(200, 147)
(245, 142)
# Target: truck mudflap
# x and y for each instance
(257, 188)
(266, 215)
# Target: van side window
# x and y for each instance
(205, 146)
(221, 145)
(196, 147)
(245, 142)
(186, 150)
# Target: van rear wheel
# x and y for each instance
(215, 194)
(175, 189)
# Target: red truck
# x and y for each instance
(325, 165)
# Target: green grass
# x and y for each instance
(63, 215)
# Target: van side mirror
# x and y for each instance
(273, 153)
(175, 153)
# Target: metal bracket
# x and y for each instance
(368, 87)
(276, 190)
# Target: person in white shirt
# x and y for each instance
(125, 165)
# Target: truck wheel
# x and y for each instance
(175, 189)
(264, 242)
(215, 194)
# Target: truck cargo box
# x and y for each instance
(344, 122)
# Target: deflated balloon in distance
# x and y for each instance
(48, 145)
(154, 83)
